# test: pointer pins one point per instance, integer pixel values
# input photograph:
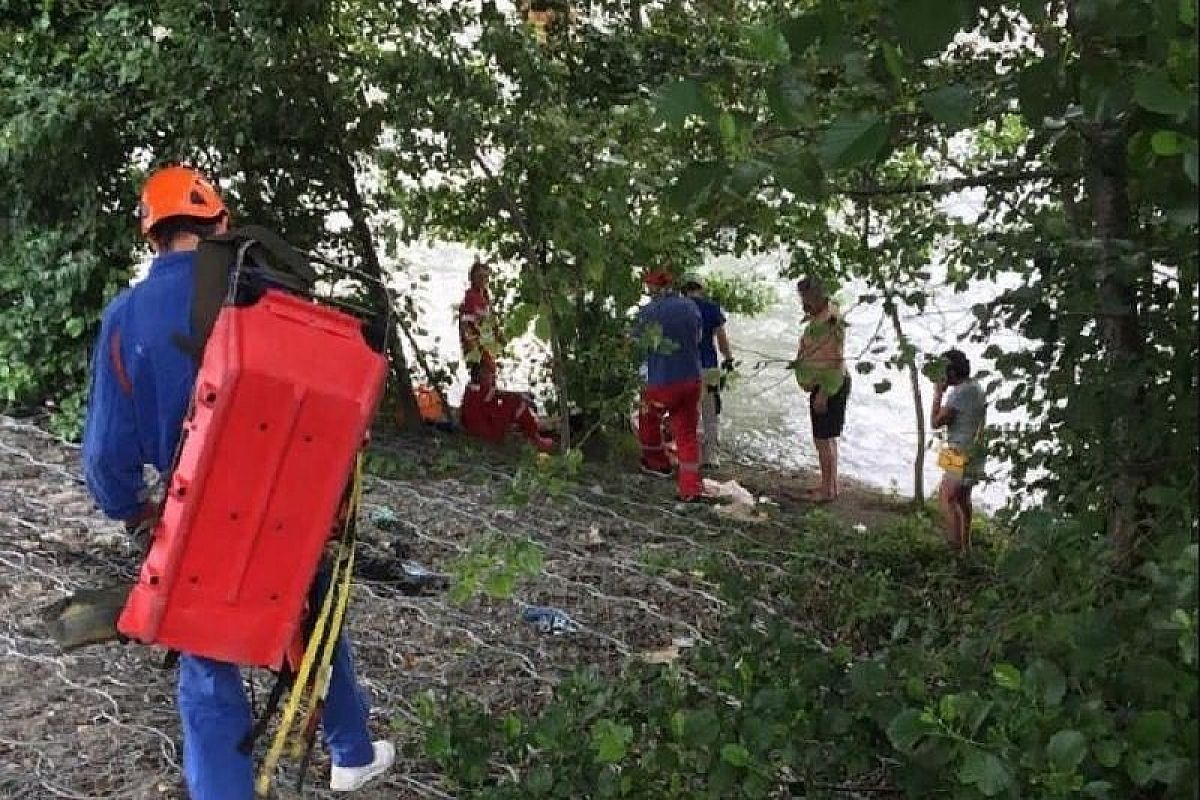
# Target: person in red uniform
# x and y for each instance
(672, 384)
(487, 411)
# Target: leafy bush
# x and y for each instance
(52, 289)
(1030, 673)
(739, 294)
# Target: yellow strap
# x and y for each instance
(320, 686)
(262, 785)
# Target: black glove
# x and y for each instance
(141, 525)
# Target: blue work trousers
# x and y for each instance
(216, 718)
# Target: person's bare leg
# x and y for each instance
(951, 512)
(825, 461)
(964, 510)
(832, 490)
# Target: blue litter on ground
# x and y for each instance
(549, 620)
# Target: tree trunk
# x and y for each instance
(410, 413)
(558, 364)
(914, 377)
(1119, 328)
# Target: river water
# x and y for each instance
(765, 415)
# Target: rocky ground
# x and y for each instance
(630, 567)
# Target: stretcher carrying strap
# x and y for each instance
(316, 666)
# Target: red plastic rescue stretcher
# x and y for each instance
(283, 399)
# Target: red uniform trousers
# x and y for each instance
(681, 404)
(488, 413)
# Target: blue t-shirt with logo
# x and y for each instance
(711, 318)
(677, 356)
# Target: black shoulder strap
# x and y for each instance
(268, 254)
(283, 680)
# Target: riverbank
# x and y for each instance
(640, 577)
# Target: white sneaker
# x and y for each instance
(347, 779)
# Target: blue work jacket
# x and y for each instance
(141, 385)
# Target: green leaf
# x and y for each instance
(894, 63)
(594, 269)
(787, 95)
(767, 43)
(801, 174)
(1007, 676)
(1167, 143)
(950, 105)
(609, 740)
(1039, 91)
(985, 772)
(1154, 91)
(1152, 728)
(735, 754)
(701, 728)
(925, 27)
(539, 781)
(512, 727)
(1097, 789)
(802, 32)
(867, 678)
(681, 99)
(678, 723)
(1191, 166)
(727, 126)
(499, 584)
(1066, 750)
(1046, 681)
(746, 176)
(908, 728)
(1108, 753)
(541, 325)
(1034, 10)
(695, 183)
(851, 141)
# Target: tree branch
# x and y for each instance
(958, 184)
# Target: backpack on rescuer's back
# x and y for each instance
(284, 395)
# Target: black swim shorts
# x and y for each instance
(829, 425)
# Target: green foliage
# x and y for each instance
(544, 475)
(51, 287)
(494, 566)
(1030, 673)
(92, 95)
(739, 294)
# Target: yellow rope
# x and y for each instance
(339, 588)
(325, 670)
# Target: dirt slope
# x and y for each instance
(629, 566)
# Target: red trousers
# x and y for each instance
(680, 402)
(488, 413)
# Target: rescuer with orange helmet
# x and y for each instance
(140, 389)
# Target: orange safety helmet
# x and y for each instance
(429, 403)
(178, 192)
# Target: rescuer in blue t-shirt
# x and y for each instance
(670, 327)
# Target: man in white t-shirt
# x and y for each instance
(963, 414)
